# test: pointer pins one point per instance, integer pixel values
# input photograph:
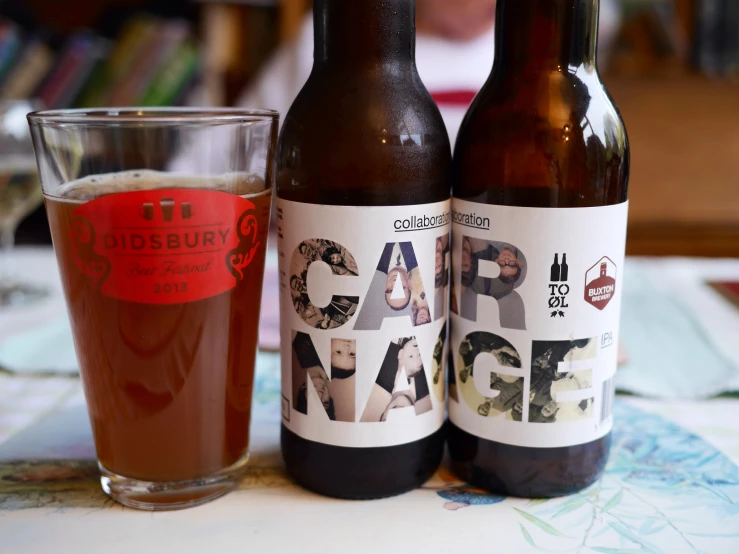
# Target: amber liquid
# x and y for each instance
(347, 142)
(542, 133)
(168, 387)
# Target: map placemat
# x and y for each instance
(665, 490)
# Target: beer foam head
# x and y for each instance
(94, 186)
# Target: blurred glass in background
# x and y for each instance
(20, 194)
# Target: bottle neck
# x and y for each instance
(364, 31)
(546, 35)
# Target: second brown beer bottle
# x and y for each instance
(363, 213)
(540, 174)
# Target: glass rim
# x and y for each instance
(152, 116)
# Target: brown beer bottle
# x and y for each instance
(540, 173)
(364, 218)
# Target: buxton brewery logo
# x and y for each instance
(600, 283)
(165, 246)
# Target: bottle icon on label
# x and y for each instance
(565, 271)
(555, 275)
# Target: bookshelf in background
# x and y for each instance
(716, 47)
(136, 58)
(151, 62)
(669, 37)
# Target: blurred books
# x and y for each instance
(668, 37)
(716, 47)
(152, 62)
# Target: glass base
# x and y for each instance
(177, 495)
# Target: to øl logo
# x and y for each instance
(558, 288)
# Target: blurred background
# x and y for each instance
(672, 67)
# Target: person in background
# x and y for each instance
(454, 53)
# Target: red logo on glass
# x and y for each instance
(600, 283)
(165, 246)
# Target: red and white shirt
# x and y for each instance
(453, 71)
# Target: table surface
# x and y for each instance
(672, 485)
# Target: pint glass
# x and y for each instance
(159, 220)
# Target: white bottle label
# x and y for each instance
(536, 300)
(364, 294)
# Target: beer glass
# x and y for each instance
(159, 220)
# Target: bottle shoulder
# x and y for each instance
(554, 140)
(370, 101)
(551, 99)
(367, 139)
